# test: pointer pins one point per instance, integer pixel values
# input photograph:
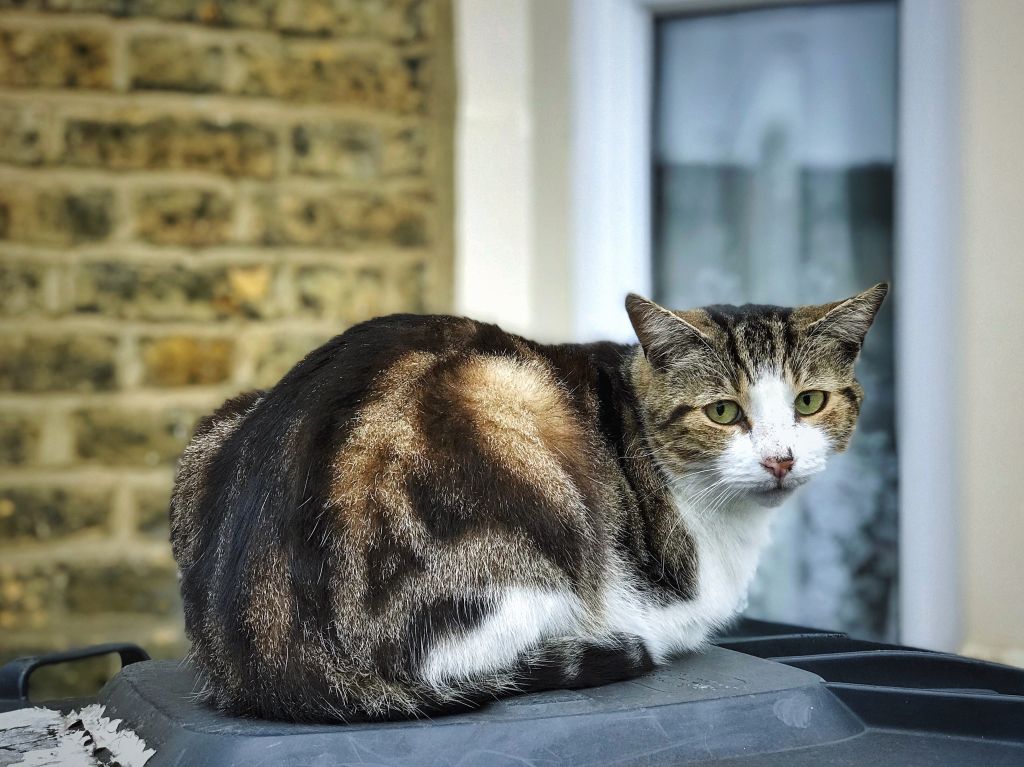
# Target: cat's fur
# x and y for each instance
(428, 512)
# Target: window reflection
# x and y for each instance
(774, 157)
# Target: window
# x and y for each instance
(774, 155)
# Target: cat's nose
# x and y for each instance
(778, 467)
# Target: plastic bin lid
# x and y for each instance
(721, 706)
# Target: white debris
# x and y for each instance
(126, 747)
(33, 718)
(40, 737)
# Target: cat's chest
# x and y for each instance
(727, 547)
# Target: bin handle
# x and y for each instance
(14, 674)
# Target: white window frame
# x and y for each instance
(603, 188)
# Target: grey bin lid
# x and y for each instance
(717, 706)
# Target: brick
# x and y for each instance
(30, 363)
(41, 514)
(21, 289)
(188, 216)
(254, 14)
(354, 293)
(343, 219)
(122, 587)
(19, 439)
(399, 20)
(78, 6)
(404, 153)
(273, 356)
(163, 292)
(177, 63)
(50, 58)
(357, 151)
(314, 17)
(54, 216)
(143, 291)
(232, 148)
(28, 595)
(117, 436)
(177, 10)
(21, 135)
(381, 80)
(246, 290)
(151, 513)
(247, 13)
(182, 361)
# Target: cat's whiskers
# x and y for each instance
(655, 454)
(694, 500)
(654, 450)
(679, 520)
(659, 489)
(718, 503)
(671, 481)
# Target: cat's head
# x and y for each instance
(749, 401)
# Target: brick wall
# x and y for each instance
(192, 195)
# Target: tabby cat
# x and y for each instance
(428, 512)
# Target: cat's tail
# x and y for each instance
(557, 663)
(573, 662)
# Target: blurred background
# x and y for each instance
(195, 193)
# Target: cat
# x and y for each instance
(428, 512)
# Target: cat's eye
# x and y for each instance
(810, 402)
(725, 412)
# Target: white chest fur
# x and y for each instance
(729, 543)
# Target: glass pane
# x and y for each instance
(774, 156)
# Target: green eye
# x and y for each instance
(810, 402)
(725, 412)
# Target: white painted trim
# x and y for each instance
(512, 222)
(612, 50)
(928, 306)
(493, 174)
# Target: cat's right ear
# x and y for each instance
(662, 334)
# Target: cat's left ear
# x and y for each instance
(844, 324)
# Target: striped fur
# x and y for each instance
(428, 512)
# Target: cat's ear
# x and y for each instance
(663, 335)
(844, 324)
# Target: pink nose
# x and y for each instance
(778, 467)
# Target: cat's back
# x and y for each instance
(427, 383)
(409, 395)
(375, 357)
(448, 418)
